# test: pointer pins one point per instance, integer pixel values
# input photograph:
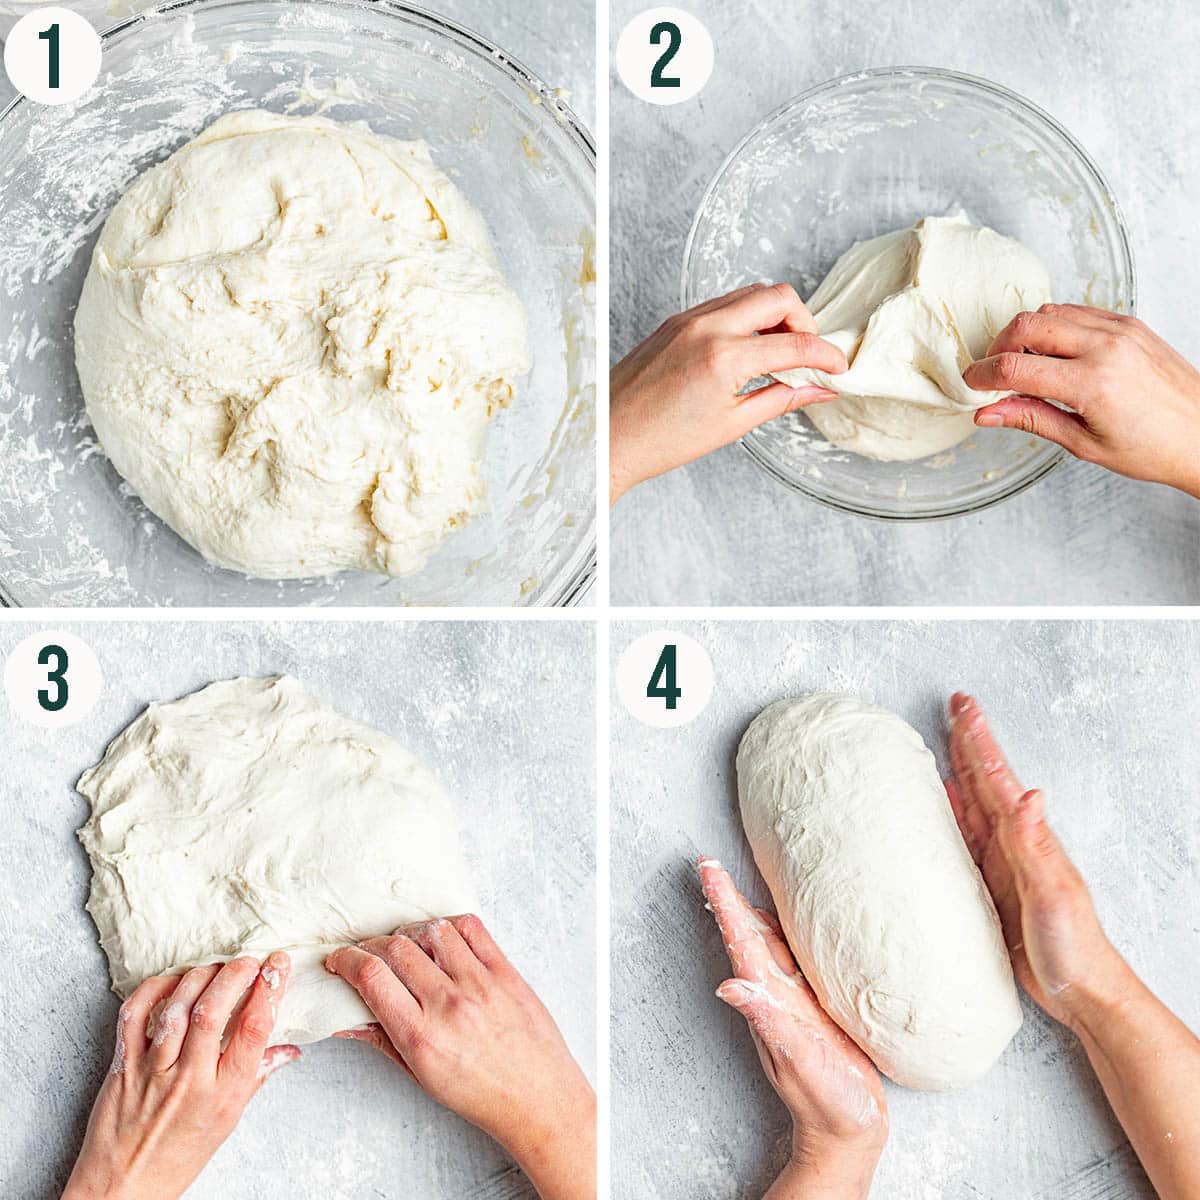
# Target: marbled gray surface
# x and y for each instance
(488, 706)
(720, 531)
(1101, 715)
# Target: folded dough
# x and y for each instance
(250, 817)
(888, 917)
(912, 310)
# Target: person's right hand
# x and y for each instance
(454, 1012)
(1060, 953)
(830, 1087)
(677, 396)
(1135, 402)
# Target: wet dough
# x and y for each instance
(912, 310)
(290, 340)
(250, 817)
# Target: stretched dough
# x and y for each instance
(250, 817)
(291, 338)
(912, 310)
(887, 915)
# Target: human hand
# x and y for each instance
(172, 1098)
(828, 1084)
(459, 1018)
(1135, 402)
(675, 398)
(1060, 953)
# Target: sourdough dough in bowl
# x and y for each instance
(887, 915)
(250, 817)
(291, 338)
(912, 310)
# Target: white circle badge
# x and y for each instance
(52, 679)
(664, 56)
(665, 679)
(52, 55)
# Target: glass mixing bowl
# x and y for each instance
(872, 152)
(71, 531)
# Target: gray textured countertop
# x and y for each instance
(1100, 715)
(483, 704)
(720, 531)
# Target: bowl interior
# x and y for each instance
(875, 152)
(71, 531)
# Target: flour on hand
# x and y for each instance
(250, 817)
(291, 338)
(912, 310)
(887, 915)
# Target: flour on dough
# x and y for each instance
(912, 310)
(887, 915)
(250, 817)
(291, 338)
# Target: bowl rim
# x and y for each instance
(574, 588)
(940, 74)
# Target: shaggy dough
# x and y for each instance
(250, 817)
(290, 340)
(912, 310)
(885, 912)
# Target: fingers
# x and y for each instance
(698, 310)
(421, 976)
(1083, 314)
(979, 765)
(213, 1010)
(272, 1060)
(473, 931)
(972, 823)
(251, 1029)
(1038, 417)
(1043, 333)
(785, 351)
(755, 1002)
(776, 305)
(382, 992)
(373, 1035)
(170, 1025)
(774, 400)
(1035, 853)
(748, 952)
(443, 943)
(1029, 374)
(133, 1019)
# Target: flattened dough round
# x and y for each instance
(290, 340)
(888, 917)
(250, 817)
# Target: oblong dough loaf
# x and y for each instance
(887, 915)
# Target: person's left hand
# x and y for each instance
(829, 1085)
(172, 1096)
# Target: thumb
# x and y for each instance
(1039, 417)
(1039, 863)
(273, 1059)
(753, 1000)
(774, 400)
